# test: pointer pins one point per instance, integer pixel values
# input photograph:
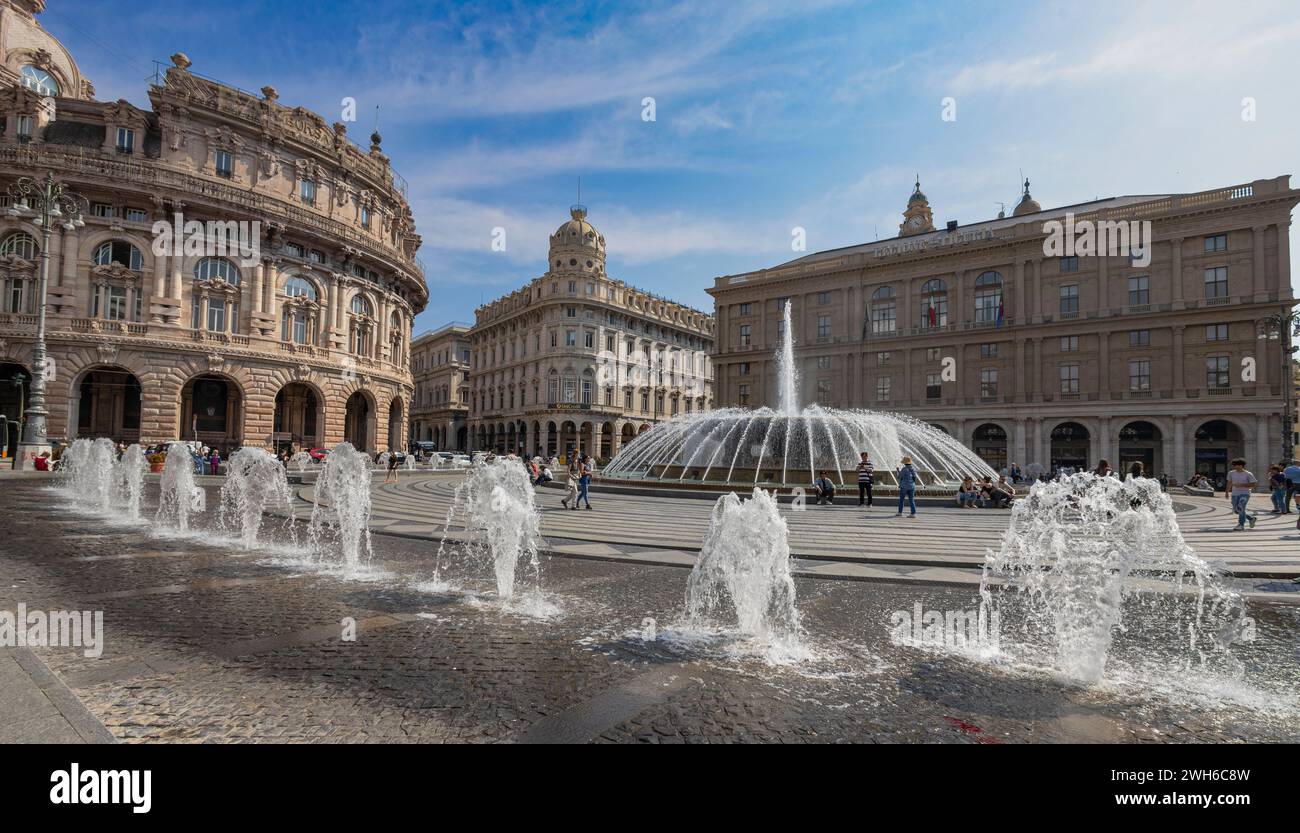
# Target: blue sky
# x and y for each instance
(769, 115)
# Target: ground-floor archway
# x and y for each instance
(299, 418)
(1218, 441)
(1069, 447)
(1142, 442)
(395, 424)
(106, 403)
(358, 422)
(989, 442)
(212, 412)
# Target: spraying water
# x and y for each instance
(497, 501)
(340, 513)
(255, 482)
(300, 461)
(1087, 553)
(745, 560)
(178, 496)
(787, 374)
(128, 479)
(88, 473)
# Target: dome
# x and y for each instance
(577, 245)
(917, 196)
(1027, 204)
(26, 48)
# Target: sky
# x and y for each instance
(768, 116)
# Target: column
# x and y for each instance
(1040, 456)
(1178, 379)
(1103, 365)
(616, 440)
(595, 438)
(175, 263)
(1036, 290)
(272, 281)
(69, 252)
(1020, 290)
(1283, 257)
(1263, 446)
(327, 315)
(1176, 271)
(1021, 378)
(956, 298)
(1181, 470)
(1019, 450)
(1258, 261)
(1103, 287)
(1167, 455)
(1107, 443)
(161, 267)
(259, 276)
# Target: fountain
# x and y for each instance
(255, 481)
(745, 559)
(497, 501)
(790, 445)
(88, 473)
(340, 512)
(178, 496)
(409, 463)
(300, 461)
(1082, 550)
(128, 479)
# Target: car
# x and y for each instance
(318, 455)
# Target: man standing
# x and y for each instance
(866, 477)
(1292, 475)
(1239, 486)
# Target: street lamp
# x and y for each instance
(44, 202)
(1283, 327)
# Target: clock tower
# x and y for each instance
(917, 218)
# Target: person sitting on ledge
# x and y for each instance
(825, 490)
(967, 494)
(992, 494)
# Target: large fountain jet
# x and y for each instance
(791, 445)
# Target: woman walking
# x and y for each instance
(907, 486)
(571, 486)
(585, 469)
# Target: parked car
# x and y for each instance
(318, 455)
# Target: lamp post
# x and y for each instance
(1283, 327)
(44, 202)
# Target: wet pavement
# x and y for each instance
(204, 642)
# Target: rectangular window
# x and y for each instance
(1216, 243)
(988, 351)
(744, 309)
(125, 140)
(609, 344)
(1069, 378)
(823, 390)
(1216, 372)
(1216, 282)
(744, 368)
(116, 303)
(307, 190)
(552, 338)
(365, 217)
(1139, 338)
(823, 326)
(989, 383)
(932, 354)
(1069, 344)
(216, 317)
(933, 386)
(573, 287)
(591, 288)
(1069, 298)
(883, 319)
(743, 396)
(1138, 293)
(570, 312)
(627, 400)
(823, 298)
(744, 335)
(26, 124)
(571, 338)
(225, 164)
(1069, 264)
(823, 362)
(589, 339)
(101, 209)
(1139, 374)
(882, 389)
(882, 359)
(1216, 332)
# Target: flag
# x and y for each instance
(999, 312)
(933, 319)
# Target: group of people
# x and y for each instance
(986, 492)
(906, 477)
(578, 481)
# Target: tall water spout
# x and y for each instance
(745, 560)
(497, 502)
(88, 473)
(255, 482)
(787, 377)
(340, 513)
(178, 496)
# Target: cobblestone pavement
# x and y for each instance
(207, 643)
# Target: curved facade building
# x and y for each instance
(246, 274)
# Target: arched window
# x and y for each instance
(586, 386)
(360, 339)
(884, 311)
(119, 251)
(21, 245)
(296, 323)
(298, 287)
(361, 306)
(934, 303)
(988, 298)
(39, 81)
(210, 268)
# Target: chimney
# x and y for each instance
(952, 225)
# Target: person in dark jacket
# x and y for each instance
(866, 478)
(824, 488)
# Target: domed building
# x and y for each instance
(246, 274)
(578, 361)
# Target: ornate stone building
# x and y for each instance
(578, 360)
(304, 342)
(1026, 358)
(440, 405)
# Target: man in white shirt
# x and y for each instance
(1239, 486)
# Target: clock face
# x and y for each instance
(916, 221)
(39, 81)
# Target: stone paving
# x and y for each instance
(207, 643)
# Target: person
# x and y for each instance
(1239, 486)
(544, 474)
(967, 493)
(585, 469)
(215, 462)
(571, 485)
(1292, 473)
(866, 478)
(995, 493)
(1136, 470)
(824, 489)
(393, 461)
(1103, 468)
(1277, 488)
(906, 476)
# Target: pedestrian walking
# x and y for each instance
(571, 485)
(1277, 488)
(1292, 472)
(1239, 486)
(866, 478)
(906, 476)
(393, 462)
(585, 468)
